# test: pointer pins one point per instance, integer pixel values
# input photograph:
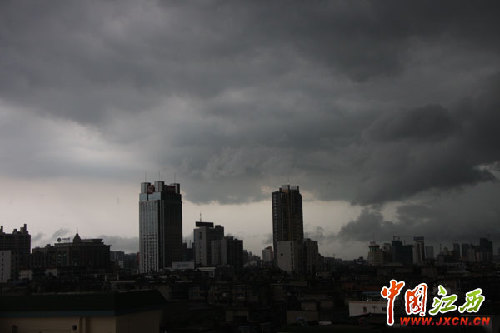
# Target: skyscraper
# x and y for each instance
(287, 216)
(160, 225)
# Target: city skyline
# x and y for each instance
(287, 199)
(385, 114)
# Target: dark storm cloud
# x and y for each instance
(40, 239)
(431, 148)
(118, 243)
(457, 216)
(320, 235)
(61, 232)
(369, 225)
(360, 101)
(431, 122)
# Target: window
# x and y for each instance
(365, 310)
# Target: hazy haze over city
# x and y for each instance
(386, 114)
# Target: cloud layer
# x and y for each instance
(367, 102)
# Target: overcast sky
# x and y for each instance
(386, 114)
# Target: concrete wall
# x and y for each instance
(5, 266)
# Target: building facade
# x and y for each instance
(429, 252)
(402, 254)
(227, 251)
(160, 226)
(5, 266)
(287, 216)
(310, 255)
(289, 256)
(267, 255)
(19, 244)
(79, 255)
(203, 236)
(418, 251)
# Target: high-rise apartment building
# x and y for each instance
(485, 249)
(310, 255)
(227, 251)
(160, 226)
(402, 254)
(203, 236)
(289, 256)
(375, 255)
(287, 216)
(19, 244)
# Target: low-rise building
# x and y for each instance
(18, 243)
(88, 255)
(138, 311)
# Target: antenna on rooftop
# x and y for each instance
(200, 218)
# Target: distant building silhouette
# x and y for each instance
(187, 252)
(402, 254)
(418, 251)
(429, 252)
(267, 255)
(467, 252)
(485, 249)
(227, 251)
(160, 226)
(310, 255)
(375, 255)
(79, 255)
(456, 251)
(15, 248)
(203, 235)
